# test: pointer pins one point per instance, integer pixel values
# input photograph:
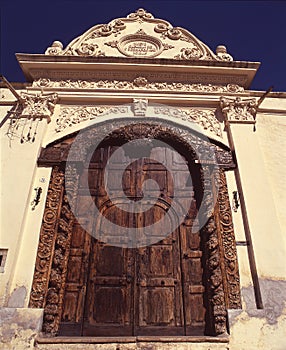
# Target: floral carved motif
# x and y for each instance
(138, 83)
(236, 110)
(206, 119)
(51, 268)
(38, 105)
(228, 245)
(47, 240)
(73, 115)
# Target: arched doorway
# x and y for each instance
(156, 289)
(179, 285)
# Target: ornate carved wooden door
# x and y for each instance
(152, 290)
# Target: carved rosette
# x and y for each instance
(38, 105)
(237, 110)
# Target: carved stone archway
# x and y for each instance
(220, 259)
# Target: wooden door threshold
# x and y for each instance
(138, 339)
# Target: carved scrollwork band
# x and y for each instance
(199, 148)
(70, 116)
(140, 82)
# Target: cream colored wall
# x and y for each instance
(18, 180)
(261, 164)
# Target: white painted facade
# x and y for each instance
(180, 79)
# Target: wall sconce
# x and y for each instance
(36, 200)
(235, 203)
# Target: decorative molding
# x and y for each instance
(53, 249)
(228, 247)
(236, 110)
(70, 116)
(199, 149)
(95, 79)
(140, 44)
(139, 82)
(47, 239)
(38, 105)
(212, 260)
(205, 118)
(139, 107)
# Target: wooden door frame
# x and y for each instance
(219, 256)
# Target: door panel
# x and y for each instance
(153, 290)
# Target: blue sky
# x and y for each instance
(251, 30)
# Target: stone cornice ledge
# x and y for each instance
(41, 66)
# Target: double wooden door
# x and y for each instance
(156, 289)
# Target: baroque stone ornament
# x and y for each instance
(70, 116)
(237, 110)
(38, 105)
(139, 83)
(220, 261)
(140, 106)
(73, 115)
(205, 118)
(154, 38)
(227, 238)
(53, 250)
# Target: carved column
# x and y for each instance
(47, 239)
(51, 268)
(228, 247)
(216, 310)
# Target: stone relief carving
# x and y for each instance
(38, 105)
(236, 110)
(139, 107)
(47, 239)
(53, 250)
(139, 82)
(206, 119)
(232, 286)
(70, 116)
(162, 130)
(73, 115)
(139, 44)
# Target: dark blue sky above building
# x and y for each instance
(251, 30)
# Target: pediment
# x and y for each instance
(139, 35)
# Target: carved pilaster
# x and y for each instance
(47, 240)
(56, 287)
(236, 110)
(213, 261)
(228, 247)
